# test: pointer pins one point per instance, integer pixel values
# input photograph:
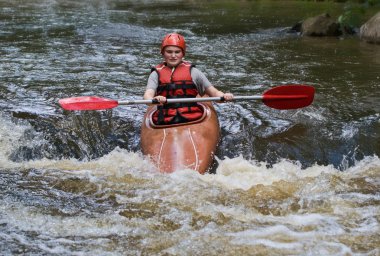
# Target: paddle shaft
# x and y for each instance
(186, 100)
(189, 100)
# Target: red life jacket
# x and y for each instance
(176, 83)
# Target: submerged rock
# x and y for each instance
(370, 31)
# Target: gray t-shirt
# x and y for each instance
(199, 79)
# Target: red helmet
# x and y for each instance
(174, 39)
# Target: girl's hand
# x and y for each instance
(160, 99)
(228, 96)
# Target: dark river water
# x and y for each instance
(297, 182)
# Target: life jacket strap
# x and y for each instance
(173, 86)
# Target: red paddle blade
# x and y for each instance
(87, 103)
(289, 96)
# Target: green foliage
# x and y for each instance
(373, 2)
(354, 12)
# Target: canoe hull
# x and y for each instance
(181, 146)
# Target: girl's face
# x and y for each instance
(173, 55)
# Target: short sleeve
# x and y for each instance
(152, 81)
(200, 80)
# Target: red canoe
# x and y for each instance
(181, 146)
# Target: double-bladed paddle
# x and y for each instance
(280, 97)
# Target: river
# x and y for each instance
(293, 182)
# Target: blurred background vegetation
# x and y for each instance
(355, 13)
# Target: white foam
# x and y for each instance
(54, 232)
(349, 131)
(239, 173)
(10, 137)
(117, 163)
